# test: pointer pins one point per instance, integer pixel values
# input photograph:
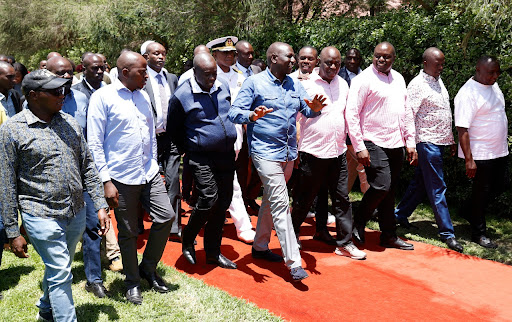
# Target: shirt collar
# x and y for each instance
(350, 73)
(152, 73)
(3, 97)
(196, 89)
(274, 79)
(32, 118)
(429, 78)
(119, 86)
(242, 68)
(315, 76)
(228, 74)
(92, 88)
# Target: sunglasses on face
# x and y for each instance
(56, 91)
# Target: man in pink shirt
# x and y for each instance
(322, 152)
(380, 126)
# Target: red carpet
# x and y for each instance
(429, 283)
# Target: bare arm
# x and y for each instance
(466, 149)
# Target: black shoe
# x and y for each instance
(221, 261)
(325, 237)
(190, 254)
(134, 295)
(98, 289)
(266, 255)
(358, 234)
(396, 242)
(154, 281)
(253, 205)
(484, 242)
(45, 316)
(454, 244)
(175, 237)
(404, 223)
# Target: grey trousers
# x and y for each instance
(275, 209)
(155, 201)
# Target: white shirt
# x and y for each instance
(481, 109)
(186, 75)
(121, 134)
(161, 120)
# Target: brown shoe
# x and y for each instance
(116, 265)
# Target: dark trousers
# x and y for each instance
(322, 208)
(154, 200)
(91, 243)
(170, 158)
(489, 181)
(313, 174)
(213, 176)
(383, 175)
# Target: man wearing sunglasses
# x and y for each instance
(45, 165)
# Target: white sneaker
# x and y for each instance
(350, 250)
(247, 236)
(330, 218)
(310, 215)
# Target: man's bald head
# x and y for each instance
(53, 54)
(433, 61)
(205, 70)
(245, 53)
(330, 63)
(487, 70)
(201, 49)
(93, 70)
(280, 59)
(155, 56)
(383, 57)
(60, 66)
(132, 70)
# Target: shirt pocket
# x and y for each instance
(270, 101)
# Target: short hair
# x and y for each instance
(19, 67)
(309, 47)
(486, 59)
(353, 49)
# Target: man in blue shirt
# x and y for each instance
(272, 142)
(121, 136)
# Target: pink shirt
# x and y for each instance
(376, 111)
(324, 136)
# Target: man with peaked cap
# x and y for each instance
(223, 50)
(45, 182)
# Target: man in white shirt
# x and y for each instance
(482, 126)
(121, 136)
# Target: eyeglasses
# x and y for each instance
(56, 91)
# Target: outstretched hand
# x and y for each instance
(259, 112)
(317, 104)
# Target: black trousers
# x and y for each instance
(213, 176)
(383, 175)
(170, 158)
(314, 173)
(489, 181)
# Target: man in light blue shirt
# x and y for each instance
(121, 136)
(9, 98)
(273, 147)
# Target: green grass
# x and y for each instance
(498, 229)
(190, 299)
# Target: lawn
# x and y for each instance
(191, 299)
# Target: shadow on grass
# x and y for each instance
(91, 312)
(11, 276)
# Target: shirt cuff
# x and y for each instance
(104, 176)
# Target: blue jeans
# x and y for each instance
(91, 243)
(428, 180)
(55, 241)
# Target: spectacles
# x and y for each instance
(56, 91)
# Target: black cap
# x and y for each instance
(42, 79)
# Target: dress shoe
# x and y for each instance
(175, 237)
(133, 295)
(454, 244)
(266, 255)
(247, 236)
(325, 237)
(358, 234)
(396, 242)
(221, 261)
(98, 289)
(404, 223)
(45, 316)
(116, 264)
(484, 242)
(154, 281)
(190, 254)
